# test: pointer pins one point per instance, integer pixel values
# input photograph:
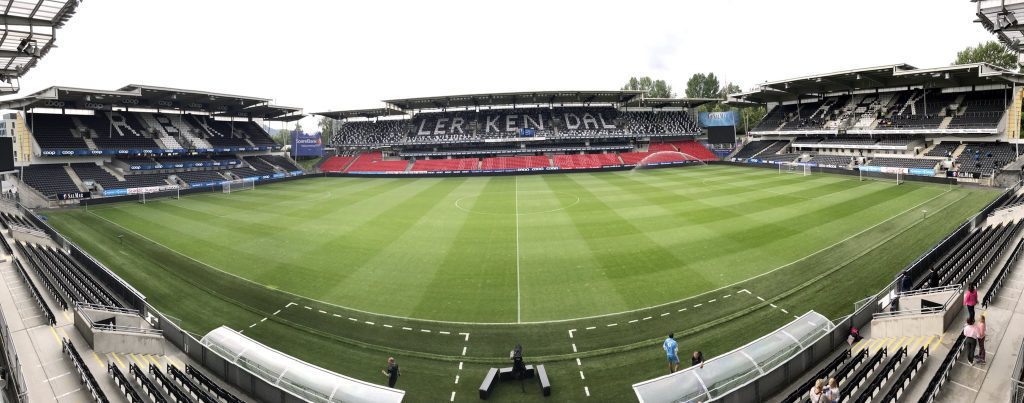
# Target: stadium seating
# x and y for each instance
(754, 148)
(661, 147)
(975, 255)
(336, 164)
(8, 219)
(194, 177)
(370, 133)
(943, 149)
(123, 384)
(374, 162)
(524, 162)
(210, 386)
(144, 180)
(984, 158)
(93, 172)
(854, 383)
(780, 157)
(868, 391)
(55, 131)
(695, 149)
(841, 161)
(917, 163)
(455, 164)
(261, 166)
(280, 161)
(658, 123)
(802, 390)
(582, 161)
(67, 274)
(108, 136)
(980, 109)
(49, 180)
(88, 380)
(635, 158)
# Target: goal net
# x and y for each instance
(238, 186)
(147, 197)
(893, 177)
(794, 168)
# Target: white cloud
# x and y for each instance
(323, 55)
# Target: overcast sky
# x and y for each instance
(330, 55)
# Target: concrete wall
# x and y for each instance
(119, 341)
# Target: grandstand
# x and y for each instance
(111, 143)
(880, 119)
(445, 230)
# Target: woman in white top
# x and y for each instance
(816, 391)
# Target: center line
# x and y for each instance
(519, 309)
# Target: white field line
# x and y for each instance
(519, 297)
(916, 207)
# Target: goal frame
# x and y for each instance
(237, 185)
(145, 197)
(794, 168)
(899, 177)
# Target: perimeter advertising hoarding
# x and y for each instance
(307, 145)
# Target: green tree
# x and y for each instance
(326, 126)
(652, 88)
(988, 52)
(702, 85)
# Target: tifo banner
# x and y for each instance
(715, 119)
(307, 145)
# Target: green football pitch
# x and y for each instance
(587, 270)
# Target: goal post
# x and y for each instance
(145, 197)
(238, 185)
(794, 168)
(895, 176)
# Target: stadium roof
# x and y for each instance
(515, 98)
(142, 96)
(671, 102)
(28, 33)
(1003, 18)
(361, 113)
(888, 76)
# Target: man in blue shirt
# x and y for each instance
(672, 350)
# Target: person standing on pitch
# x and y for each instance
(391, 372)
(672, 350)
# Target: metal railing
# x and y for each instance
(12, 363)
(932, 309)
(1017, 380)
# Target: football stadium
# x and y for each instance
(845, 236)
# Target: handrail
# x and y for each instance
(940, 288)
(921, 311)
(47, 313)
(106, 308)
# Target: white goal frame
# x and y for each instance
(237, 186)
(794, 168)
(899, 177)
(146, 197)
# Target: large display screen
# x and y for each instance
(722, 135)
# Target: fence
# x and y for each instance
(16, 390)
(1017, 380)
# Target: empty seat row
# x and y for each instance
(67, 274)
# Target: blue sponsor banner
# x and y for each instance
(868, 168)
(527, 132)
(922, 172)
(295, 173)
(146, 151)
(115, 192)
(307, 145)
(715, 119)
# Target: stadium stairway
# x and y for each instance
(989, 382)
(49, 372)
(75, 178)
